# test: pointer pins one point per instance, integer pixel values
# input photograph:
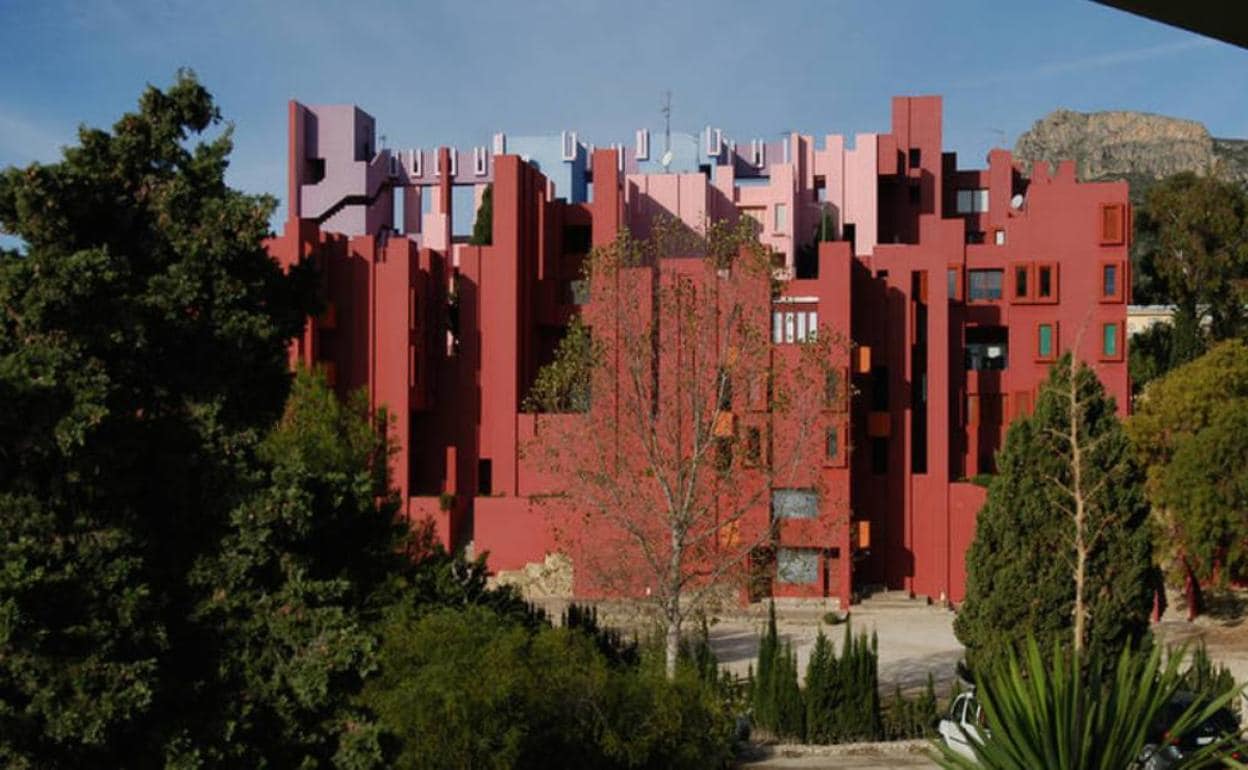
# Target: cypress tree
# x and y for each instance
(1020, 580)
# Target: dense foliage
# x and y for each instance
(1192, 244)
(142, 360)
(1053, 713)
(840, 702)
(1192, 432)
(469, 687)
(1020, 566)
(202, 565)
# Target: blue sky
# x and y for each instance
(455, 71)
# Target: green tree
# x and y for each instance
(1062, 547)
(467, 687)
(823, 691)
(142, 354)
(291, 592)
(483, 226)
(1197, 227)
(1190, 432)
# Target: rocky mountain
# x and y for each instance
(1136, 146)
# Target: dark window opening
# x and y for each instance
(984, 284)
(879, 456)
(313, 170)
(916, 157)
(485, 476)
(753, 445)
(723, 455)
(987, 347)
(951, 279)
(831, 389)
(577, 239)
(831, 444)
(849, 233)
(1109, 281)
(1044, 287)
(881, 274)
(1020, 282)
(974, 236)
(879, 389)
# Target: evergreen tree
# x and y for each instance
(483, 227)
(1022, 566)
(823, 691)
(142, 354)
(764, 688)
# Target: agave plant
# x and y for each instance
(1054, 714)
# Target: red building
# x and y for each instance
(957, 287)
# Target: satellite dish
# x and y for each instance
(1016, 202)
(666, 160)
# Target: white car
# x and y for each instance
(964, 721)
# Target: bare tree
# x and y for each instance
(692, 417)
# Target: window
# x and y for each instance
(1109, 341)
(998, 237)
(1046, 282)
(831, 444)
(915, 157)
(1044, 342)
(831, 389)
(987, 347)
(1021, 289)
(797, 565)
(485, 476)
(723, 456)
(789, 326)
(782, 217)
(972, 201)
(1113, 216)
(879, 456)
(753, 446)
(984, 284)
(953, 280)
(794, 504)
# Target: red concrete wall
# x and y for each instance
(457, 403)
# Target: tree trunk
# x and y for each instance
(1076, 487)
(671, 647)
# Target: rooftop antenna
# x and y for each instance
(666, 109)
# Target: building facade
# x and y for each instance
(958, 289)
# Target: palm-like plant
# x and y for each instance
(1055, 714)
